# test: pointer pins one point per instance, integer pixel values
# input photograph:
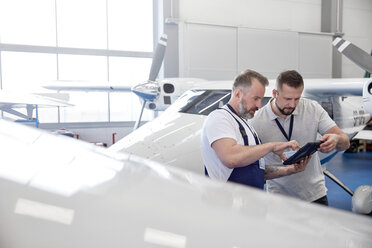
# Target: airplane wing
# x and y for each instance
(364, 135)
(335, 86)
(19, 100)
(10, 101)
(63, 193)
(147, 91)
(66, 85)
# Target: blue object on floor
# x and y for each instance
(353, 169)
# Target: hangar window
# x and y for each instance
(78, 40)
(201, 102)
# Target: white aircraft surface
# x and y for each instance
(66, 193)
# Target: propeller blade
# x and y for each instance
(354, 53)
(158, 57)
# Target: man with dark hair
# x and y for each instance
(288, 116)
(231, 148)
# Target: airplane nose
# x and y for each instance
(148, 91)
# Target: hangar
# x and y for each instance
(97, 70)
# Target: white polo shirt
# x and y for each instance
(309, 120)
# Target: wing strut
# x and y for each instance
(138, 122)
(337, 181)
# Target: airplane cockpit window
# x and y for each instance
(202, 102)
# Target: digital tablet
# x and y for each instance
(304, 151)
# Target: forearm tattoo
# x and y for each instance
(270, 169)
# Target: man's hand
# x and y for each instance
(295, 168)
(272, 171)
(280, 147)
(330, 141)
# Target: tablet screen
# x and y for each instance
(304, 151)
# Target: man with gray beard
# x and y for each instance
(231, 149)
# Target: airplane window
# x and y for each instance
(328, 106)
(205, 102)
(265, 100)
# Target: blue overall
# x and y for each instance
(250, 175)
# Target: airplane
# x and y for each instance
(173, 138)
(62, 192)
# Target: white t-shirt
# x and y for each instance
(220, 124)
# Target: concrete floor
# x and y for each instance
(353, 169)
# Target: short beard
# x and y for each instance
(282, 110)
(243, 112)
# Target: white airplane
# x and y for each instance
(66, 193)
(174, 137)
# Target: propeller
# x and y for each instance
(354, 53)
(149, 90)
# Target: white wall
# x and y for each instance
(357, 26)
(216, 52)
(291, 15)
(295, 15)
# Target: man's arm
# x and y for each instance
(272, 172)
(333, 139)
(233, 155)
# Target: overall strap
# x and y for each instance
(242, 132)
(245, 122)
(288, 137)
(241, 128)
(252, 174)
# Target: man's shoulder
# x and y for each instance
(310, 104)
(218, 112)
(262, 112)
(218, 115)
(308, 101)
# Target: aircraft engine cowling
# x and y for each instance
(367, 96)
(170, 89)
(166, 97)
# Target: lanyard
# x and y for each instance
(254, 133)
(288, 137)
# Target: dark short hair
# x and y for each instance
(244, 79)
(291, 78)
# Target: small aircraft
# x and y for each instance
(63, 192)
(174, 137)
